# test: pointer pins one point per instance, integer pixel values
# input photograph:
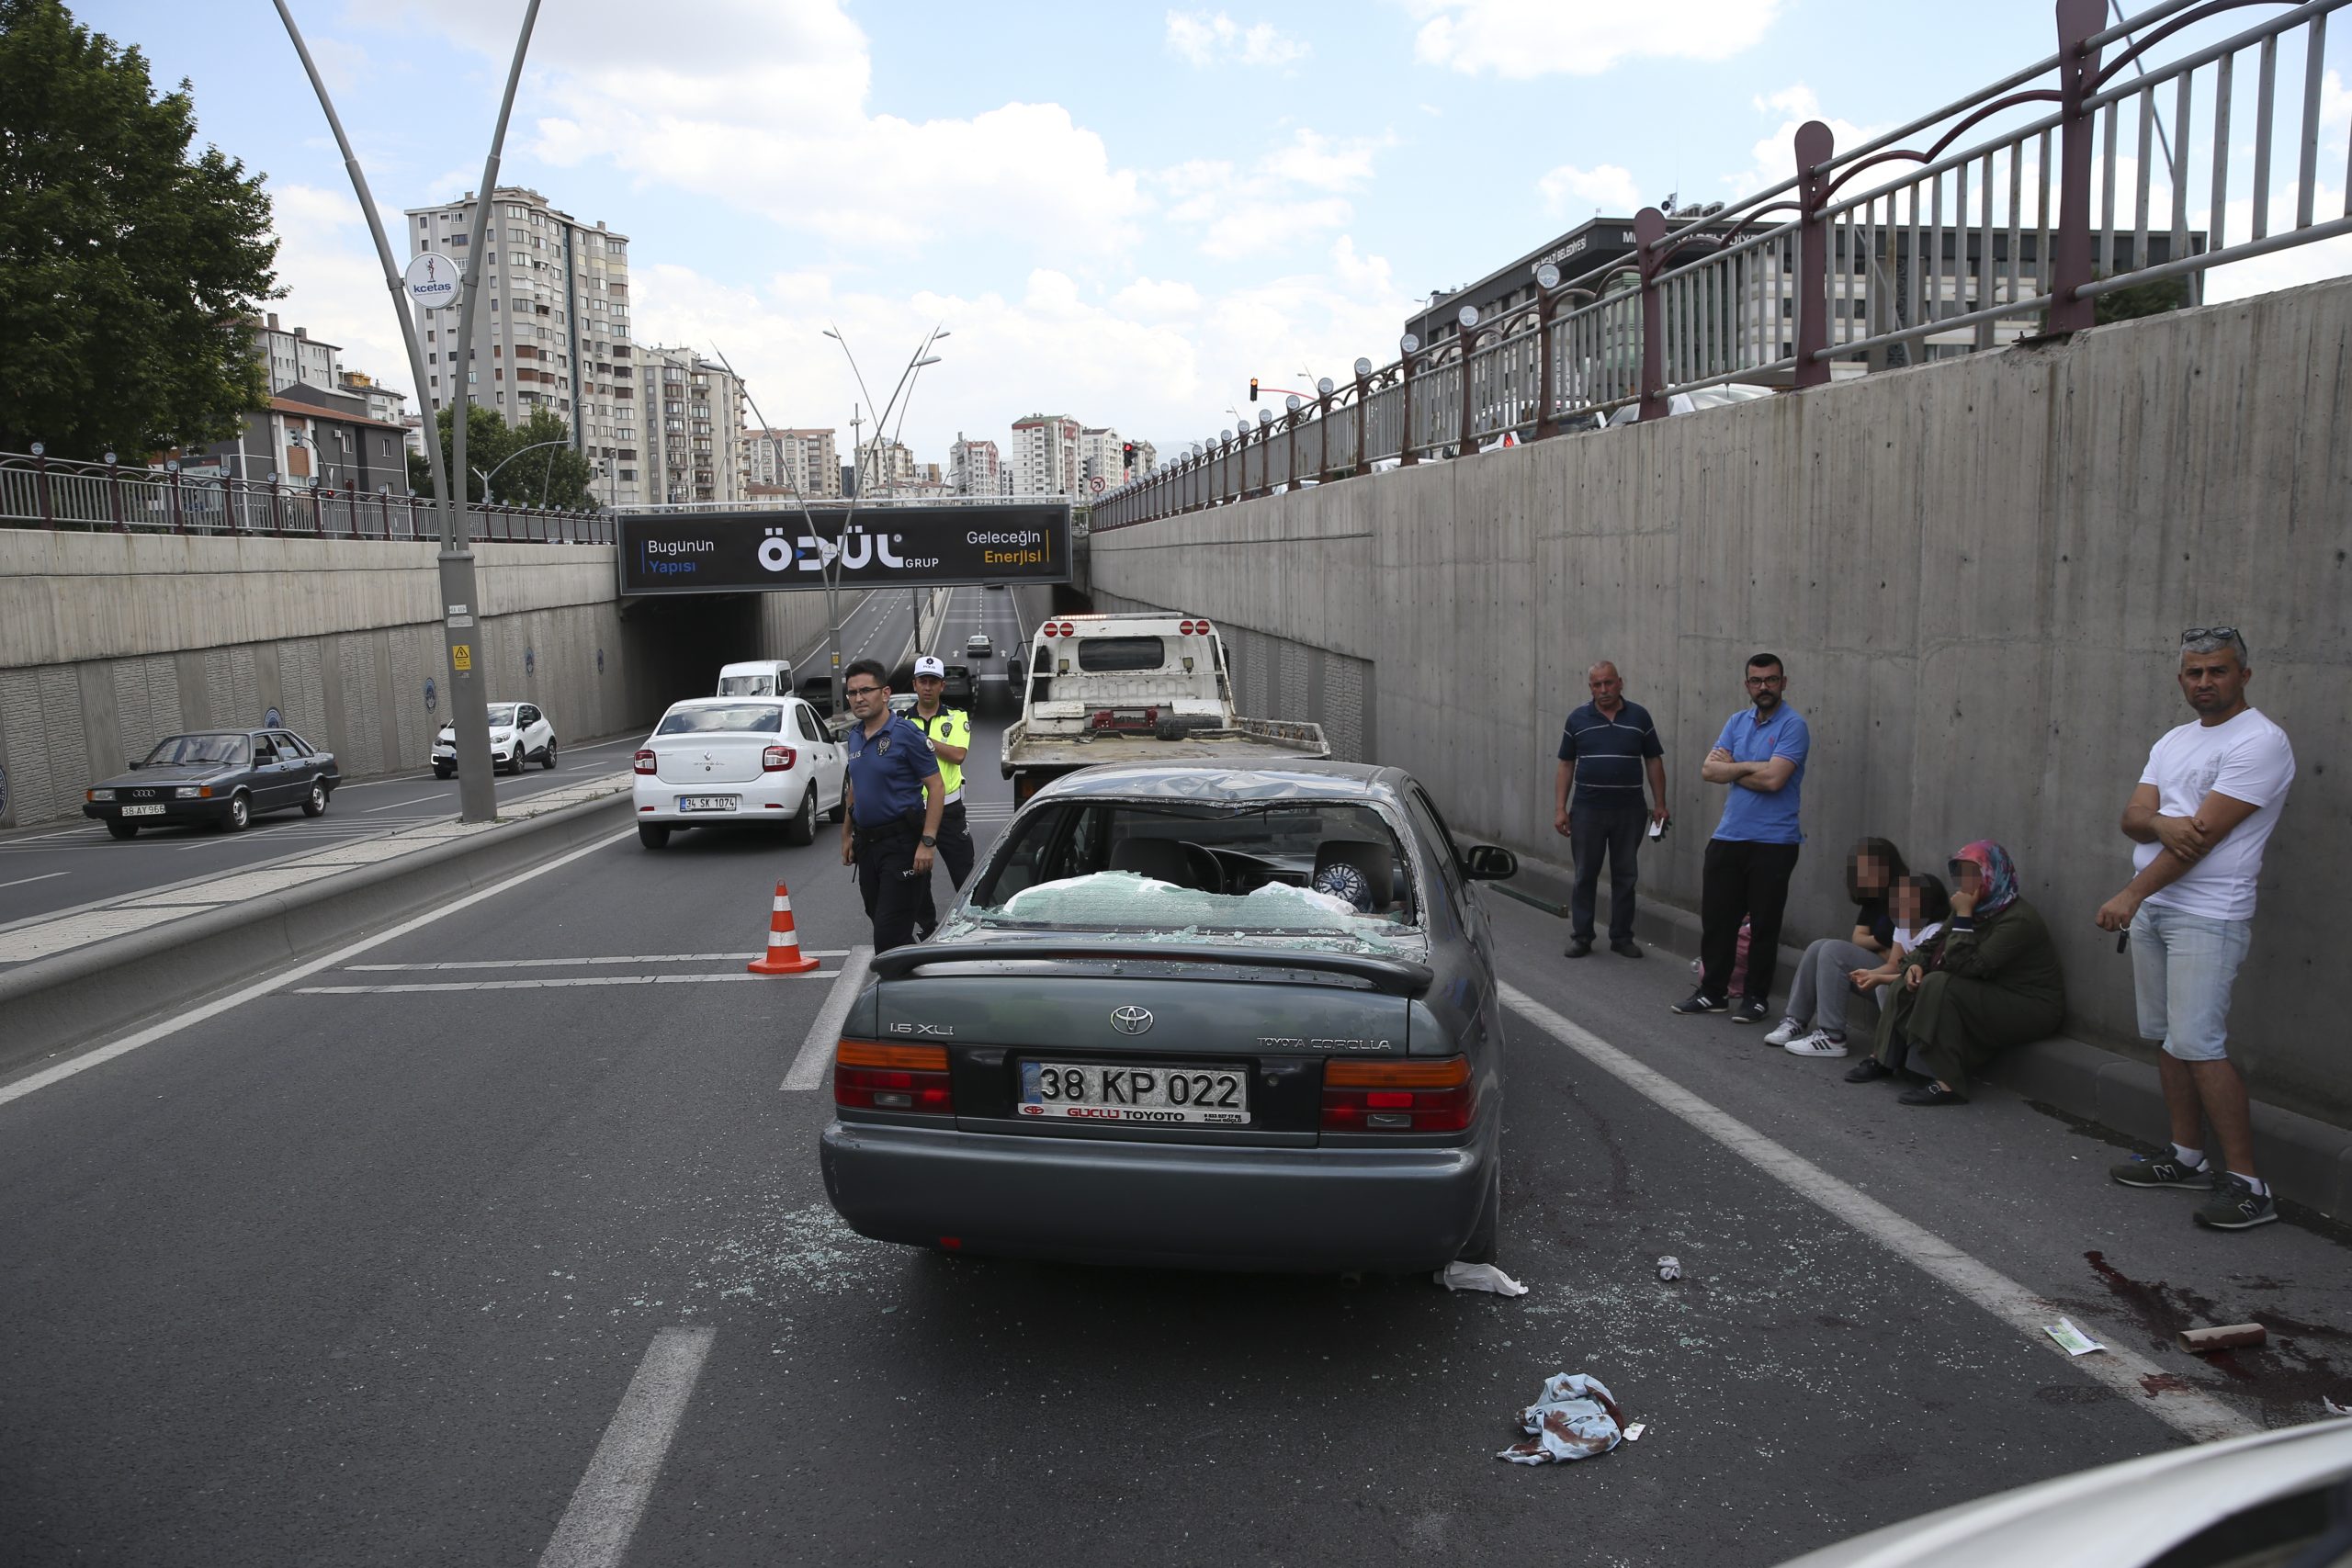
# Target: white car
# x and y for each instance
(978, 645)
(519, 734)
(738, 760)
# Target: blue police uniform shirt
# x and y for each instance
(1752, 815)
(887, 770)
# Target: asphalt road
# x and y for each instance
(357, 1272)
(55, 868)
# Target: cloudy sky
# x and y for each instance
(1120, 211)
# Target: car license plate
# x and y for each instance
(706, 802)
(143, 811)
(1216, 1097)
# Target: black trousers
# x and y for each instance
(1614, 832)
(895, 899)
(1743, 880)
(955, 844)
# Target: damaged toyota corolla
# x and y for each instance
(1192, 1017)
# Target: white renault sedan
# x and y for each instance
(519, 734)
(738, 760)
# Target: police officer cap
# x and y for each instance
(927, 665)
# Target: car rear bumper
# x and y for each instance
(771, 799)
(1298, 1211)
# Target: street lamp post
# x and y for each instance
(915, 362)
(534, 446)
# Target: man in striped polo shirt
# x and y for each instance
(1607, 749)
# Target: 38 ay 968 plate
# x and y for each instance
(1156, 1094)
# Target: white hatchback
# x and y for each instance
(519, 735)
(738, 760)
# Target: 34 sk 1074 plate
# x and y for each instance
(705, 802)
(1161, 1093)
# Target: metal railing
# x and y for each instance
(2003, 215)
(40, 492)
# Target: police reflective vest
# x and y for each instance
(952, 726)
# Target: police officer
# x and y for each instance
(895, 798)
(949, 730)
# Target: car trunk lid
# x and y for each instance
(711, 759)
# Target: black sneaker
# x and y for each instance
(2235, 1206)
(1869, 1069)
(1578, 947)
(1697, 1002)
(1749, 1010)
(1628, 948)
(2164, 1170)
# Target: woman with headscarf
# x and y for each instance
(1989, 981)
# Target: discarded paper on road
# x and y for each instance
(1575, 1417)
(1459, 1276)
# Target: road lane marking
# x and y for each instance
(2138, 1380)
(557, 984)
(574, 963)
(399, 804)
(594, 1530)
(25, 881)
(264, 986)
(807, 1069)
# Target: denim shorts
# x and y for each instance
(2182, 968)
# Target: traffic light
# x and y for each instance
(1253, 388)
(1127, 456)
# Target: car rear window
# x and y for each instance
(1109, 655)
(749, 719)
(1297, 868)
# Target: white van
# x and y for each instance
(758, 678)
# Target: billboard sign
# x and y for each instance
(896, 547)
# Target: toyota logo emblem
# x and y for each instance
(1130, 1021)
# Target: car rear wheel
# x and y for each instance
(120, 829)
(547, 757)
(652, 835)
(441, 773)
(315, 803)
(240, 813)
(1480, 1247)
(802, 830)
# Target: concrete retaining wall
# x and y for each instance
(1977, 571)
(109, 641)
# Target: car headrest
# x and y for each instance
(1373, 865)
(1163, 859)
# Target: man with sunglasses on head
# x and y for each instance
(1761, 755)
(895, 796)
(2204, 809)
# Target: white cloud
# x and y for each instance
(1775, 155)
(1289, 196)
(1154, 300)
(1525, 39)
(334, 285)
(1569, 191)
(1202, 38)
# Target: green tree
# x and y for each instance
(2151, 299)
(129, 270)
(555, 475)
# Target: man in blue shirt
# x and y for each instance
(1760, 754)
(1608, 747)
(895, 796)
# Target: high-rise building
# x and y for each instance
(1146, 460)
(1100, 456)
(889, 468)
(1046, 457)
(291, 355)
(550, 330)
(973, 467)
(806, 463)
(695, 448)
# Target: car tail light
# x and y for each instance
(1398, 1097)
(643, 762)
(777, 758)
(868, 1076)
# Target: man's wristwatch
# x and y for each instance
(929, 841)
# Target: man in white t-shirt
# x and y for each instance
(2207, 801)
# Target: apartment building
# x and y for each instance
(1146, 460)
(696, 446)
(385, 405)
(806, 463)
(552, 328)
(292, 356)
(1045, 459)
(1100, 457)
(973, 467)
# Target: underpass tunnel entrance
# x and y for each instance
(675, 646)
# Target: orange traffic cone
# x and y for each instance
(783, 947)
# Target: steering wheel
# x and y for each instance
(1206, 865)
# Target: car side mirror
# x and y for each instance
(134, 767)
(1489, 863)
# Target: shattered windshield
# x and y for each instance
(1182, 868)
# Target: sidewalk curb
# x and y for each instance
(2306, 1160)
(57, 1004)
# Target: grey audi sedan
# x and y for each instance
(1191, 1016)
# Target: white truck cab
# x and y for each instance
(756, 678)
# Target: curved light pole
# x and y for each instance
(534, 446)
(915, 362)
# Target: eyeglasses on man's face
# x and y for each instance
(1768, 680)
(853, 693)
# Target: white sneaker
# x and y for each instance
(1789, 1030)
(1820, 1043)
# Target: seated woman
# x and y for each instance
(1921, 906)
(1817, 996)
(1991, 981)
